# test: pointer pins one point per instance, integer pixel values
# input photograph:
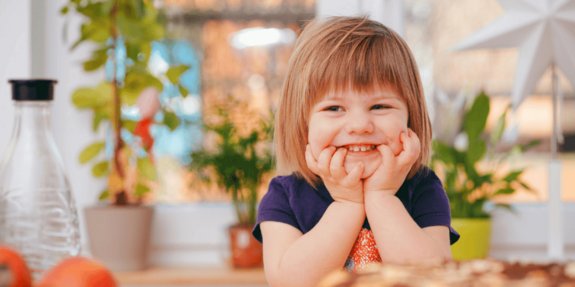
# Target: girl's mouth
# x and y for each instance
(360, 147)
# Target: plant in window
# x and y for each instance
(472, 176)
(237, 161)
(121, 34)
(471, 172)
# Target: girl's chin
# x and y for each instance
(370, 167)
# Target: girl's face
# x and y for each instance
(359, 123)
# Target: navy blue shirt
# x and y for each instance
(291, 200)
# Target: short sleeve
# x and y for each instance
(274, 206)
(431, 205)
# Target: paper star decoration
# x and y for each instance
(544, 31)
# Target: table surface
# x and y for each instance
(192, 276)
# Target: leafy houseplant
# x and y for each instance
(121, 34)
(237, 162)
(471, 172)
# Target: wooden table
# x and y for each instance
(192, 276)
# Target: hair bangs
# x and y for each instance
(360, 66)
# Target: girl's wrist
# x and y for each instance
(378, 195)
(350, 201)
(350, 204)
(377, 199)
(379, 192)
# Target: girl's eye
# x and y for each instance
(379, 107)
(333, 109)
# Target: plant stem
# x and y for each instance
(120, 196)
(237, 207)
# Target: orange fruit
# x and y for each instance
(78, 272)
(19, 272)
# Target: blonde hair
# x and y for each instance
(334, 55)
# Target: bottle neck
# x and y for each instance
(32, 116)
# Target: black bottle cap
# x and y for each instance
(33, 90)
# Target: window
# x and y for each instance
(242, 50)
(434, 28)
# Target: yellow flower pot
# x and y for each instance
(475, 238)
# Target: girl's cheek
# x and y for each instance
(315, 148)
(315, 151)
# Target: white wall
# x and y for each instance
(32, 46)
(14, 56)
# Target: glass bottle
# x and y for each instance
(38, 216)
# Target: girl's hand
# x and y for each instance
(329, 167)
(391, 174)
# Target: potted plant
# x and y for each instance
(120, 34)
(237, 161)
(470, 169)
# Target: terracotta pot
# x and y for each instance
(246, 250)
(119, 236)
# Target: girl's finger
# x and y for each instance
(324, 159)
(310, 160)
(411, 148)
(354, 175)
(387, 155)
(336, 167)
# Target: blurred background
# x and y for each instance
(238, 50)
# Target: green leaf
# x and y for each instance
(171, 120)
(138, 52)
(91, 151)
(146, 168)
(104, 195)
(100, 169)
(85, 98)
(129, 125)
(83, 37)
(183, 91)
(107, 6)
(138, 7)
(530, 145)
(513, 175)
(174, 73)
(141, 190)
(136, 81)
(98, 59)
(499, 128)
(64, 10)
(88, 97)
(93, 10)
(476, 117)
(505, 191)
(100, 114)
(527, 187)
(443, 152)
(98, 30)
(139, 30)
(476, 150)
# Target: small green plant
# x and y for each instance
(471, 174)
(236, 162)
(120, 34)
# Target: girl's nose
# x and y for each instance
(359, 123)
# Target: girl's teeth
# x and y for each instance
(360, 148)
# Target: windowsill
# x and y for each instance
(194, 275)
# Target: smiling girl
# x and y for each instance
(352, 135)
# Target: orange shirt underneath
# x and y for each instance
(363, 252)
